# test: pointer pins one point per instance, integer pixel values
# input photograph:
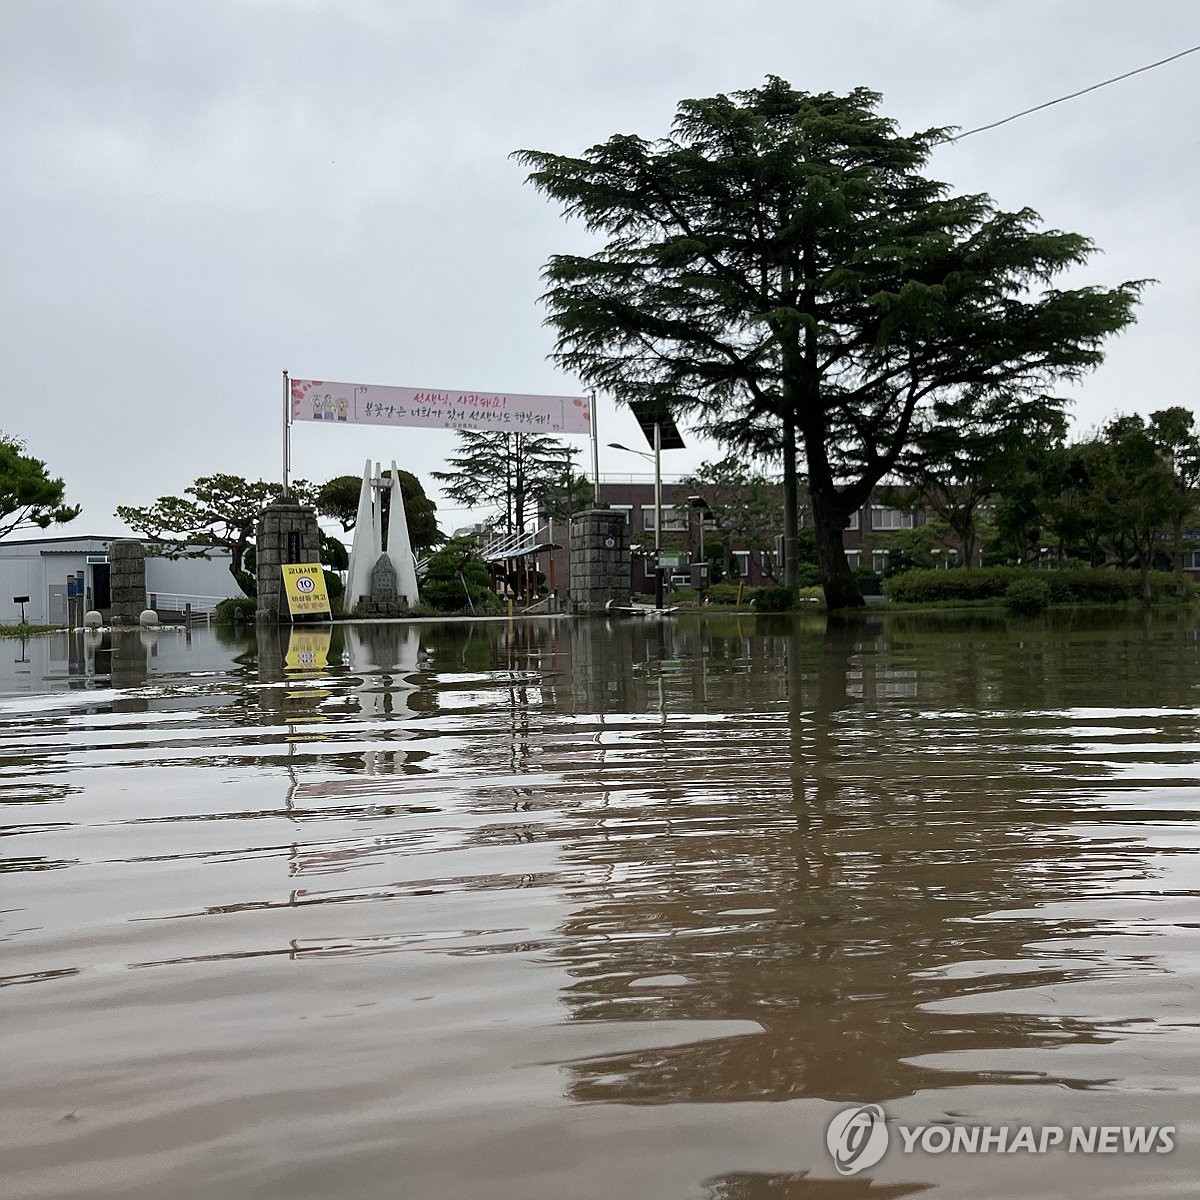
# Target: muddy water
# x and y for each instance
(591, 910)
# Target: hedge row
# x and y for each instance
(1078, 585)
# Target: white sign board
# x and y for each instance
(505, 412)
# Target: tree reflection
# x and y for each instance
(832, 878)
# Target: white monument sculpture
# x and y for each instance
(381, 582)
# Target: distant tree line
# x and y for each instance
(998, 479)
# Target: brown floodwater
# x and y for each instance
(589, 909)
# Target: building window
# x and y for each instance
(853, 522)
(854, 559)
(741, 563)
(879, 561)
(626, 510)
(674, 521)
(1191, 560)
(890, 518)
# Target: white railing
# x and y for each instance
(200, 606)
(511, 545)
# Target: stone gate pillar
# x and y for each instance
(126, 581)
(287, 533)
(599, 560)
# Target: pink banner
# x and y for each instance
(367, 404)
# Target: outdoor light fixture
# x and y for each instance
(657, 459)
(699, 502)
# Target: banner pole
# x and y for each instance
(287, 432)
(595, 455)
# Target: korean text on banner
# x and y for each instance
(304, 586)
(506, 412)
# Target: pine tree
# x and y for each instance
(780, 268)
(508, 472)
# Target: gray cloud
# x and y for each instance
(198, 196)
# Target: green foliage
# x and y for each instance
(510, 472)
(971, 447)
(559, 497)
(456, 579)
(1081, 585)
(26, 629)
(29, 498)
(774, 599)
(725, 593)
(808, 575)
(779, 266)
(745, 507)
(334, 554)
(216, 510)
(237, 610)
(1027, 596)
(337, 499)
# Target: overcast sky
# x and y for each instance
(197, 196)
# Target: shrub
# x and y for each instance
(1027, 595)
(808, 575)
(977, 583)
(869, 583)
(237, 610)
(774, 599)
(456, 579)
(1074, 585)
(724, 593)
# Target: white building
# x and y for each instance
(39, 568)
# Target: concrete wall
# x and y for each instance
(192, 576)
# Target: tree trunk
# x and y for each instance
(791, 505)
(829, 520)
(967, 546)
(841, 588)
(1177, 557)
(519, 489)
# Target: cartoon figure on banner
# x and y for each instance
(317, 406)
(342, 408)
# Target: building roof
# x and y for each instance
(81, 543)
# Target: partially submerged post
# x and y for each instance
(287, 533)
(599, 561)
(126, 581)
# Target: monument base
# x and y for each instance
(381, 608)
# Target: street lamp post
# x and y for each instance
(702, 510)
(657, 458)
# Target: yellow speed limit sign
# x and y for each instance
(304, 586)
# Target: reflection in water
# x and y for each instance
(593, 908)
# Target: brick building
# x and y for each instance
(866, 538)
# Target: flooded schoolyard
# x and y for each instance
(593, 909)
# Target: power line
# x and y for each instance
(1073, 95)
